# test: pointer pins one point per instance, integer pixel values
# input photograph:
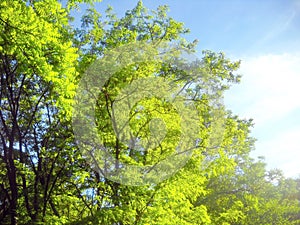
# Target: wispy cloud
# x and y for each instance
(280, 27)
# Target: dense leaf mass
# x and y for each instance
(46, 179)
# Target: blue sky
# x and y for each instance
(265, 35)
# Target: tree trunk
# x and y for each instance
(13, 185)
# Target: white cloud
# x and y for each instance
(270, 87)
(270, 94)
(283, 151)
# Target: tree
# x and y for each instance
(171, 201)
(37, 86)
(231, 189)
(46, 174)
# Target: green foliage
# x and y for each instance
(45, 178)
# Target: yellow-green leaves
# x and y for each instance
(33, 36)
